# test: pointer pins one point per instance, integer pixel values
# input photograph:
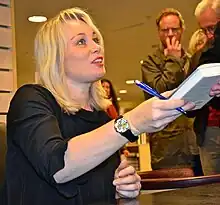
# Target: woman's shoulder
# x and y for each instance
(32, 91)
(33, 95)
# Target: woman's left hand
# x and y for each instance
(127, 181)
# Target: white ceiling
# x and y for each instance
(128, 27)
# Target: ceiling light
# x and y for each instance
(122, 91)
(37, 19)
(118, 99)
(129, 81)
(141, 62)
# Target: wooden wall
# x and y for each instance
(8, 76)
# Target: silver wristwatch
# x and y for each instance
(122, 126)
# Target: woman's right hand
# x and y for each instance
(154, 114)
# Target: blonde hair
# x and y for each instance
(204, 4)
(50, 45)
(167, 12)
(198, 38)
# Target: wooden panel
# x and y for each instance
(144, 157)
(5, 99)
(5, 16)
(6, 2)
(5, 37)
(6, 59)
(2, 118)
(14, 64)
(6, 82)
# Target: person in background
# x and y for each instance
(113, 109)
(197, 42)
(207, 119)
(165, 69)
(207, 16)
(62, 145)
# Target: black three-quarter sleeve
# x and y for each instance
(38, 131)
(32, 125)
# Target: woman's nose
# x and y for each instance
(95, 48)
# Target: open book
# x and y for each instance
(196, 87)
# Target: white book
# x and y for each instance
(196, 87)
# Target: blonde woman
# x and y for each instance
(62, 146)
(197, 41)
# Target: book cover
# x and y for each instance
(196, 87)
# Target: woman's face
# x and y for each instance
(106, 87)
(83, 57)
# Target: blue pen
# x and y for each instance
(153, 92)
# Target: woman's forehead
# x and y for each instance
(77, 27)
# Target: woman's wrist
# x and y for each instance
(133, 129)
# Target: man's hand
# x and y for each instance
(173, 48)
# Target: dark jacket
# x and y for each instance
(209, 55)
(165, 73)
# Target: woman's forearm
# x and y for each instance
(86, 151)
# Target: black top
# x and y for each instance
(37, 133)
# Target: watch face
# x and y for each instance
(121, 125)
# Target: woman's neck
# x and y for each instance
(79, 92)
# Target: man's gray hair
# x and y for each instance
(204, 4)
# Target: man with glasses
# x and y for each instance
(207, 119)
(207, 15)
(164, 70)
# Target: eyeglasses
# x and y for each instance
(166, 30)
(209, 29)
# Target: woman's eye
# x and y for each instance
(96, 40)
(81, 42)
